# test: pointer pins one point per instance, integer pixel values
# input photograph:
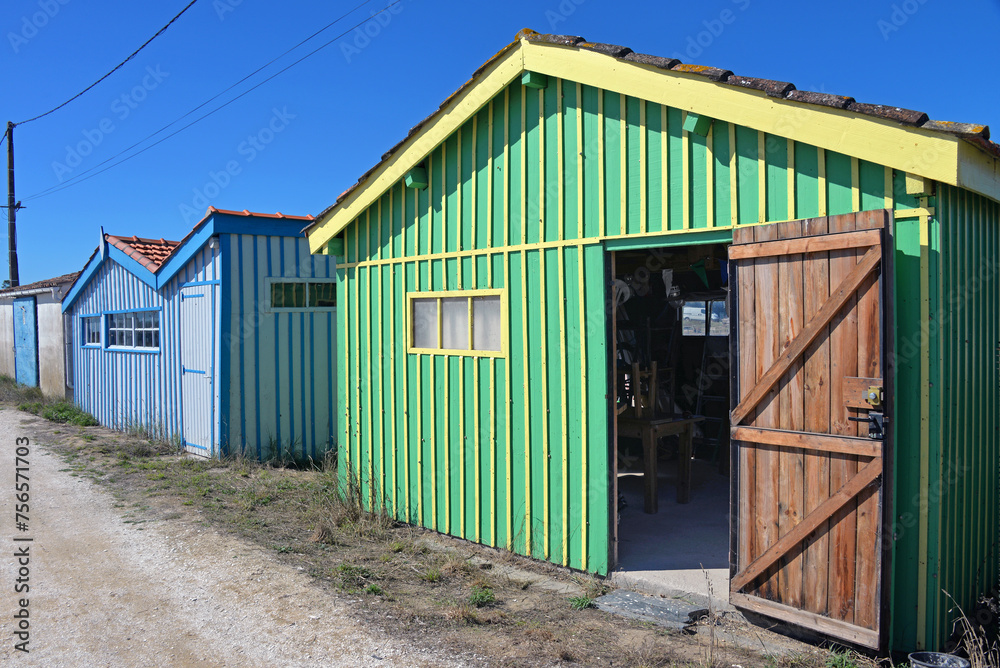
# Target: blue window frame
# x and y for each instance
(90, 331)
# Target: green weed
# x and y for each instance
(482, 595)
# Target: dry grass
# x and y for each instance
(419, 586)
(979, 640)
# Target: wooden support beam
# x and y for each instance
(697, 124)
(864, 447)
(817, 244)
(534, 80)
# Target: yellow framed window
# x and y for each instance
(458, 322)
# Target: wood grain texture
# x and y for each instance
(789, 246)
(843, 362)
(746, 280)
(842, 297)
(844, 495)
(816, 466)
(868, 558)
(768, 463)
(791, 417)
(809, 534)
(822, 443)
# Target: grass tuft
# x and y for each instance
(59, 411)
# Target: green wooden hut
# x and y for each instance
(490, 353)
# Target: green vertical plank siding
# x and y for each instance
(612, 164)
(776, 165)
(807, 181)
(591, 129)
(906, 463)
(441, 454)
(721, 174)
(966, 444)
(698, 187)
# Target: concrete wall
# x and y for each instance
(51, 347)
(51, 343)
(7, 338)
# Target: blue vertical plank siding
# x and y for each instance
(272, 373)
(123, 389)
(284, 356)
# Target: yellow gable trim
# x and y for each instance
(933, 155)
(504, 69)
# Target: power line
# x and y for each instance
(82, 178)
(82, 174)
(117, 67)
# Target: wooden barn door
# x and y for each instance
(808, 337)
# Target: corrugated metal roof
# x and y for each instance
(978, 135)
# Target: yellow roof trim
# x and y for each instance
(927, 153)
(869, 138)
(496, 76)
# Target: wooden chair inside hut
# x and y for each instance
(642, 418)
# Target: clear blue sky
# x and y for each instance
(338, 111)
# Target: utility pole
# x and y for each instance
(11, 208)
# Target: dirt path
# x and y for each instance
(105, 592)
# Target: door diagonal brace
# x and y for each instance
(820, 514)
(808, 334)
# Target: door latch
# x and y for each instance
(876, 424)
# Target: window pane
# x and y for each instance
(323, 295)
(719, 323)
(155, 319)
(298, 295)
(455, 323)
(277, 295)
(112, 337)
(156, 338)
(127, 339)
(694, 319)
(425, 318)
(486, 334)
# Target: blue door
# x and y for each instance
(25, 342)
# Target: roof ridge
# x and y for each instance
(778, 89)
(975, 134)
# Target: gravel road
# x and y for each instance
(105, 592)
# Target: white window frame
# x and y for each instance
(133, 327)
(272, 280)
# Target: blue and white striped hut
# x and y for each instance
(224, 341)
